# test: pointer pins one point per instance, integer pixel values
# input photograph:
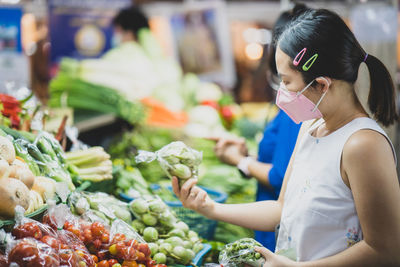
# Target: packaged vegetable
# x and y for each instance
(70, 236)
(176, 159)
(31, 252)
(240, 253)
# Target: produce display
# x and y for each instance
(170, 240)
(241, 252)
(89, 225)
(176, 159)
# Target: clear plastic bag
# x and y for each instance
(31, 252)
(240, 253)
(28, 228)
(176, 159)
(70, 236)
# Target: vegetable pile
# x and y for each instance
(176, 159)
(71, 241)
(170, 240)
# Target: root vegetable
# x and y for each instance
(13, 192)
(4, 168)
(7, 150)
(22, 173)
(46, 187)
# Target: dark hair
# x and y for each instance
(263, 86)
(131, 19)
(324, 33)
(280, 25)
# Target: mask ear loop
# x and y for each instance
(305, 88)
(322, 97)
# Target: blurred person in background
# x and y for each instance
(127, 24)
(276, 146)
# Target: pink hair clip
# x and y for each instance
(299, 57)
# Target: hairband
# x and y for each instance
(309, 62)
(365, 58)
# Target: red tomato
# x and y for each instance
(97, 244)
(87, 233)
(68, 258)
(119, 237)
(30, 229)
(144, 248)
(32, 253)
(130, 264)
(105, 238)
(51, 241)
(140, 256)
(132, 243)
(95, 259)
(97, 229)
(103, 263)
(112, 262)
(50, 221)
(227, 113)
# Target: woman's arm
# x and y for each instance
(264, 215)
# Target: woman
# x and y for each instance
(339, 200)
(273, 156)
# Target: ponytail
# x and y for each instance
(381, 98)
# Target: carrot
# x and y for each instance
(160, 116)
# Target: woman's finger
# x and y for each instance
(186, 187)
(175, 186)
(266, 253)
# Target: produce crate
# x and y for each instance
(197, 222)
(198, 260)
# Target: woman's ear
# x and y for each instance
(325, 83)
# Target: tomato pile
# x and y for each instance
(78, 244)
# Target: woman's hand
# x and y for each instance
(193, 197)
(273, 260)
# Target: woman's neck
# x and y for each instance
(346, 112)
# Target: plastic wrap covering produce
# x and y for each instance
(240, 253)
(176, 159)
(99, 206)
(115, 244)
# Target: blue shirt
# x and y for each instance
(275, 148)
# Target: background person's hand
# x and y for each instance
(231, 151)
(192, 196)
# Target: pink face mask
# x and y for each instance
(298, 107)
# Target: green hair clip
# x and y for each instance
(310, 62)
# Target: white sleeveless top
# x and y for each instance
(319, 218)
